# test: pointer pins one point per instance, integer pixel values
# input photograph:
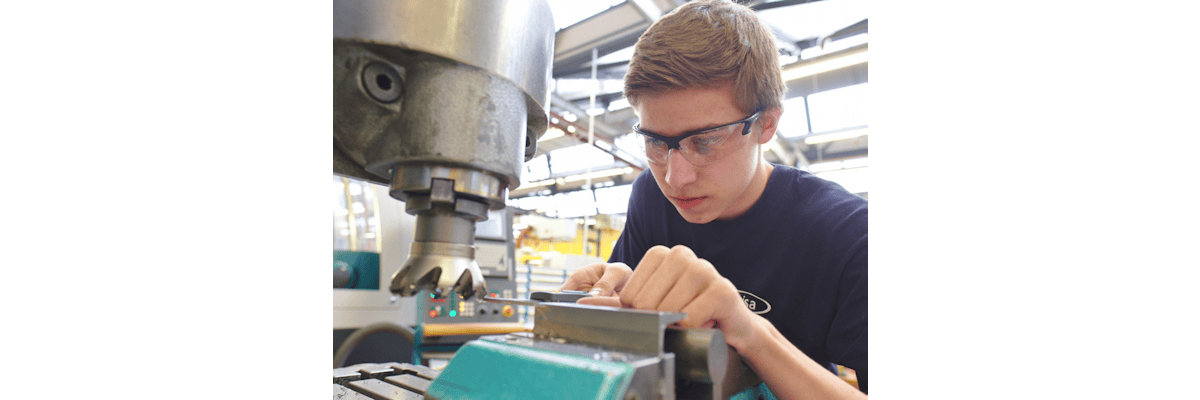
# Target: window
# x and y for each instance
(794, 121)
(577, 158)
(355, 216)
(840, 108)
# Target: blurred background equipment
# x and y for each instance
(372, 325)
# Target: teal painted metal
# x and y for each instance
(760, 392)
(362, 265)
(418, 337)
(484, 369)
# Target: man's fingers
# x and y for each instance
(614, 277)
(699, 311)
(610, 301)
(584, 278)
(650, 262)
(678, 260)
(714, 303)
(687, 286)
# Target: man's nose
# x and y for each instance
(680, 171)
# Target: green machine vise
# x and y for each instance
(590, 352)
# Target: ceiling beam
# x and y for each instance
(610, 30)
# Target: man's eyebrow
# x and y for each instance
(705, 127)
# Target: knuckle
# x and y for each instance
(658, 251)
(693, 275)
(626, 300)
(682, 251)
(700, 270)
(615, 269)
(727, 285)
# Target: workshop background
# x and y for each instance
(168, 171)
(570, 205)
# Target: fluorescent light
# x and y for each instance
(854, 163)
(825, 65)
(834, 46)
(824, 166)
(840, 135)
(569, 117)
(853, 180)
(551, 133)
(598, 174)
(531, 185)
(595, 111)
(618, 104)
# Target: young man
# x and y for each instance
(772, 256)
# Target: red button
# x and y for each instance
(493, 294)
(432, 313)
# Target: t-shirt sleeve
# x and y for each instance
(848, 334)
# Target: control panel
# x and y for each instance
(455, 310)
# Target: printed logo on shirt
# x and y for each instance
(755, 303)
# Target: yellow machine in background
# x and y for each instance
(596, 239)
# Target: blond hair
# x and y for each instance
(708, 44)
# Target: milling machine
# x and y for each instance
(443, 101)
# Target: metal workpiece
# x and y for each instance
(638, 331)
(700, 357)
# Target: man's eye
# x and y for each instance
(655, 143)
(706, 140)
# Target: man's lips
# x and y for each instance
(687, 203)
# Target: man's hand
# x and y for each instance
(599, 279)
(673, 280)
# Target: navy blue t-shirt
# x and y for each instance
(798, 256)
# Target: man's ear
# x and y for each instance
(770, 122)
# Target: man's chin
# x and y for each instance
(694, 217)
